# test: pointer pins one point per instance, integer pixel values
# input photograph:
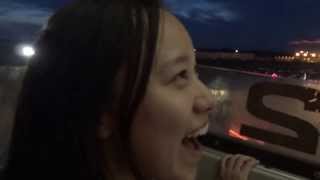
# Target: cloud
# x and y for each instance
(203, 11)
(306, 42)
(22, 13)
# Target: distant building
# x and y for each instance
(307, 56)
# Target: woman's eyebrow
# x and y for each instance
(181, 59)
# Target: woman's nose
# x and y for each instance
(204, 101)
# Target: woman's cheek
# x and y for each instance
(158, 128)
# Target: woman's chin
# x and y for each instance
(186, 175)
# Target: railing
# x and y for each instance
(210, 164)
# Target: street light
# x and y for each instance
(26, 50)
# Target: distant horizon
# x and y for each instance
(253, 50)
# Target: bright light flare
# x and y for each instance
(235, 134)
(298, 54)
(218, 93)
(274, 76)
(236, 51)
(26, 51)
(313, 55)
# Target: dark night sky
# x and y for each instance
(279, 25)
(251, 24)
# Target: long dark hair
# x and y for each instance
(70, 83)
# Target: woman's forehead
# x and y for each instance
(174, 40)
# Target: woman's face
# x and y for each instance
(176, 104)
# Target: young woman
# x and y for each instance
(112, 94)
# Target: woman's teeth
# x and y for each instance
(204, 130)
(191, 140)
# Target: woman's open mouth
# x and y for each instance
(191, 142)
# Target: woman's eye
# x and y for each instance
(181, 79)
(183, 74)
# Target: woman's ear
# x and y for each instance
(106, 126)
